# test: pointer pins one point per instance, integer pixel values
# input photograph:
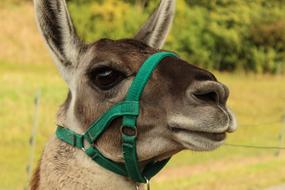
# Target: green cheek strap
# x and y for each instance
(128, 109)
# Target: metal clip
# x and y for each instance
(147, 184)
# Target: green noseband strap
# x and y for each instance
(129, 110)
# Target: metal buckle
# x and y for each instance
(129, 131)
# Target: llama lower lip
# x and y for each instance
(212, 136)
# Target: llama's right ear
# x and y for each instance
(59, 33)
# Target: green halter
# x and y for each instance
(128, 109)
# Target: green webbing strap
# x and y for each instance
(95, 154)
(144, 74)
(129, 142)
(70, 137)
(129, 110)
(77, 141)
(140, 81)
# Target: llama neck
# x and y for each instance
(65, 167)
(104, 179)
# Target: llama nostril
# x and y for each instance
(209, 92)
(208, 97)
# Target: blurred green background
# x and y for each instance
(241, 41)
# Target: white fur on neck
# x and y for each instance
(71, 121)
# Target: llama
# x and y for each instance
(181, 107)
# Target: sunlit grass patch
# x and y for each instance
(256, 174)
(258, 103)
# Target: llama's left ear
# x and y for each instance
(155, 30)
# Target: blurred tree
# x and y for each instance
(225, 35)
(142, 3)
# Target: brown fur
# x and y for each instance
(182, 106)
(34, 183)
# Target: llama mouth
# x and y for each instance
(217, 137)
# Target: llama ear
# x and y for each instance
(155, 30)
(59, 33)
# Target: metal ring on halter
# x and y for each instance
(129, 131)
(147, 183)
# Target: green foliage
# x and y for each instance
(225, 35)
(111, 19)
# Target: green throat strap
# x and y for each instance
(129, 110)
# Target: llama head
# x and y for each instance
(182, 106)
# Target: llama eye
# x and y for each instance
(106, 78)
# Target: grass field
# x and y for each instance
(258, 101)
